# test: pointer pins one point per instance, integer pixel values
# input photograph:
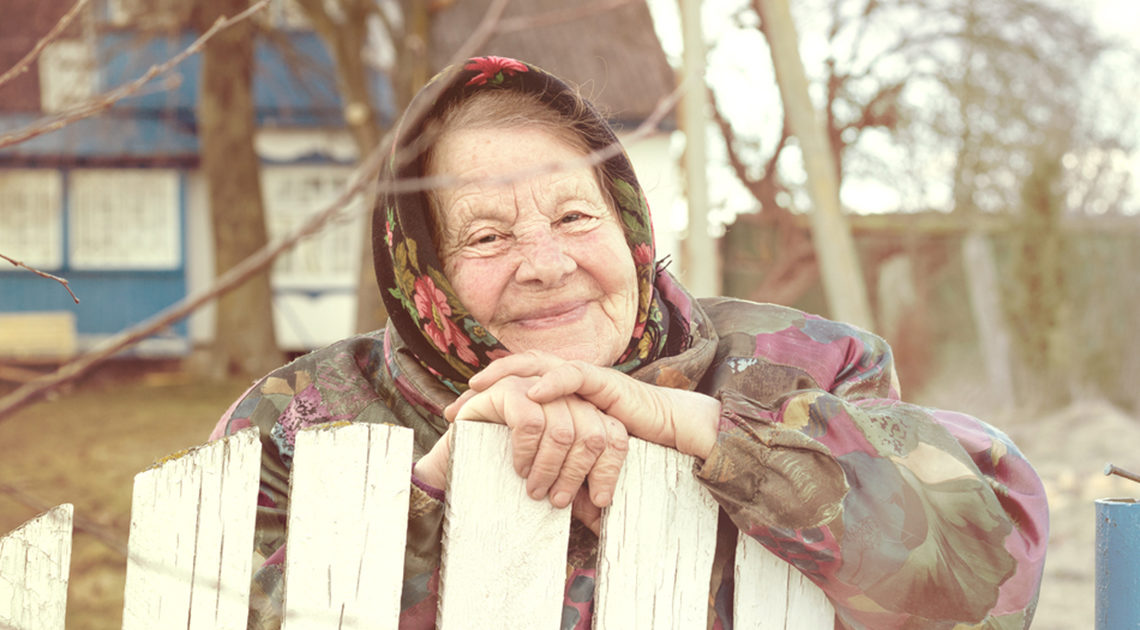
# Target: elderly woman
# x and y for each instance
(530, 296)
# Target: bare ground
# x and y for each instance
(84, 447)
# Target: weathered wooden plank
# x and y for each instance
(35, 560)
(657, 544)
(191, 538)
(348, 512)
(504, 554)
(771, 595)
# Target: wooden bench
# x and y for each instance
(38, 335)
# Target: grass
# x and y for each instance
(84, 447)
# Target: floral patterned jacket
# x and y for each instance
(906, 517)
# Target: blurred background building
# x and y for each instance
(116, 203)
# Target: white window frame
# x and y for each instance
(31, 217)
(124, 219)
(329, 259)
(67, 75)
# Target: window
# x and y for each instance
(30, 211)
(124, 219)
(67, 75)
(329, 258)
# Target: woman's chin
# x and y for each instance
(568, 345)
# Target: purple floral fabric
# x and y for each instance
(906, 517)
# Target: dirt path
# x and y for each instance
(1069, 450)
(85, 448)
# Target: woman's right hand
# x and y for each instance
(557, 445)
(432, 467)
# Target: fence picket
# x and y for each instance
(347, 527)
(191, 538)
(657, 544)
(771, 595)
(35, 561)
(504, 554)
(504, 558)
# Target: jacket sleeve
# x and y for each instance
(905, 516)
(280, 405)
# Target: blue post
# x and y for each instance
(1117, 564)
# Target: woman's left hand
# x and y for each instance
(676, 418)
(556, 445)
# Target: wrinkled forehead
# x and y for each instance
(501, 166)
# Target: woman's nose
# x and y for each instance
(544, 260)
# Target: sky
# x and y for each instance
(739, 71)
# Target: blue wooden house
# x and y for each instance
(114, 203)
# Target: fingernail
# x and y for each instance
(561, 499)
(525, 472)
(602, 500)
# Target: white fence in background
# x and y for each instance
(191, 544)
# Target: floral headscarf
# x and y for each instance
(421, 303)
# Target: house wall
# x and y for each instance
(116, 235)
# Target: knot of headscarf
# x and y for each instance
(421, 304)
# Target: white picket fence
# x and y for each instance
(504, 555)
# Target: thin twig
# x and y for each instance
(65, 283)
(97, 531)
(362, 177)
(1110, 469)
(108, 99)
(22, 65)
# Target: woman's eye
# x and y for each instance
(486, 239)
(571, 217)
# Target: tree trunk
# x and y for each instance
(699, 269)
(244, 340)
(345, 37)
(985, 300)
(977, 250)
(839, 265)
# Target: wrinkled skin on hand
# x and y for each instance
(571, 421)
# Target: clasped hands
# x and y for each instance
(570, 424)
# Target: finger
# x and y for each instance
(603, 477)
(506, 403)
(450, 411)
(480, 407)
(555, 444)
(528, 423)
(589, 444)
(604, 387)
(432, 467)
(562, 380)
(585, 511)
(529, 363)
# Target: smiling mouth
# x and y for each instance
(553, 316)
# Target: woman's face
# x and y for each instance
(541, 263)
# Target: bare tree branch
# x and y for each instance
(765, 188)
(22, 65)
(42, 274)
(363, 176)
(104, 102)
(113, 541)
